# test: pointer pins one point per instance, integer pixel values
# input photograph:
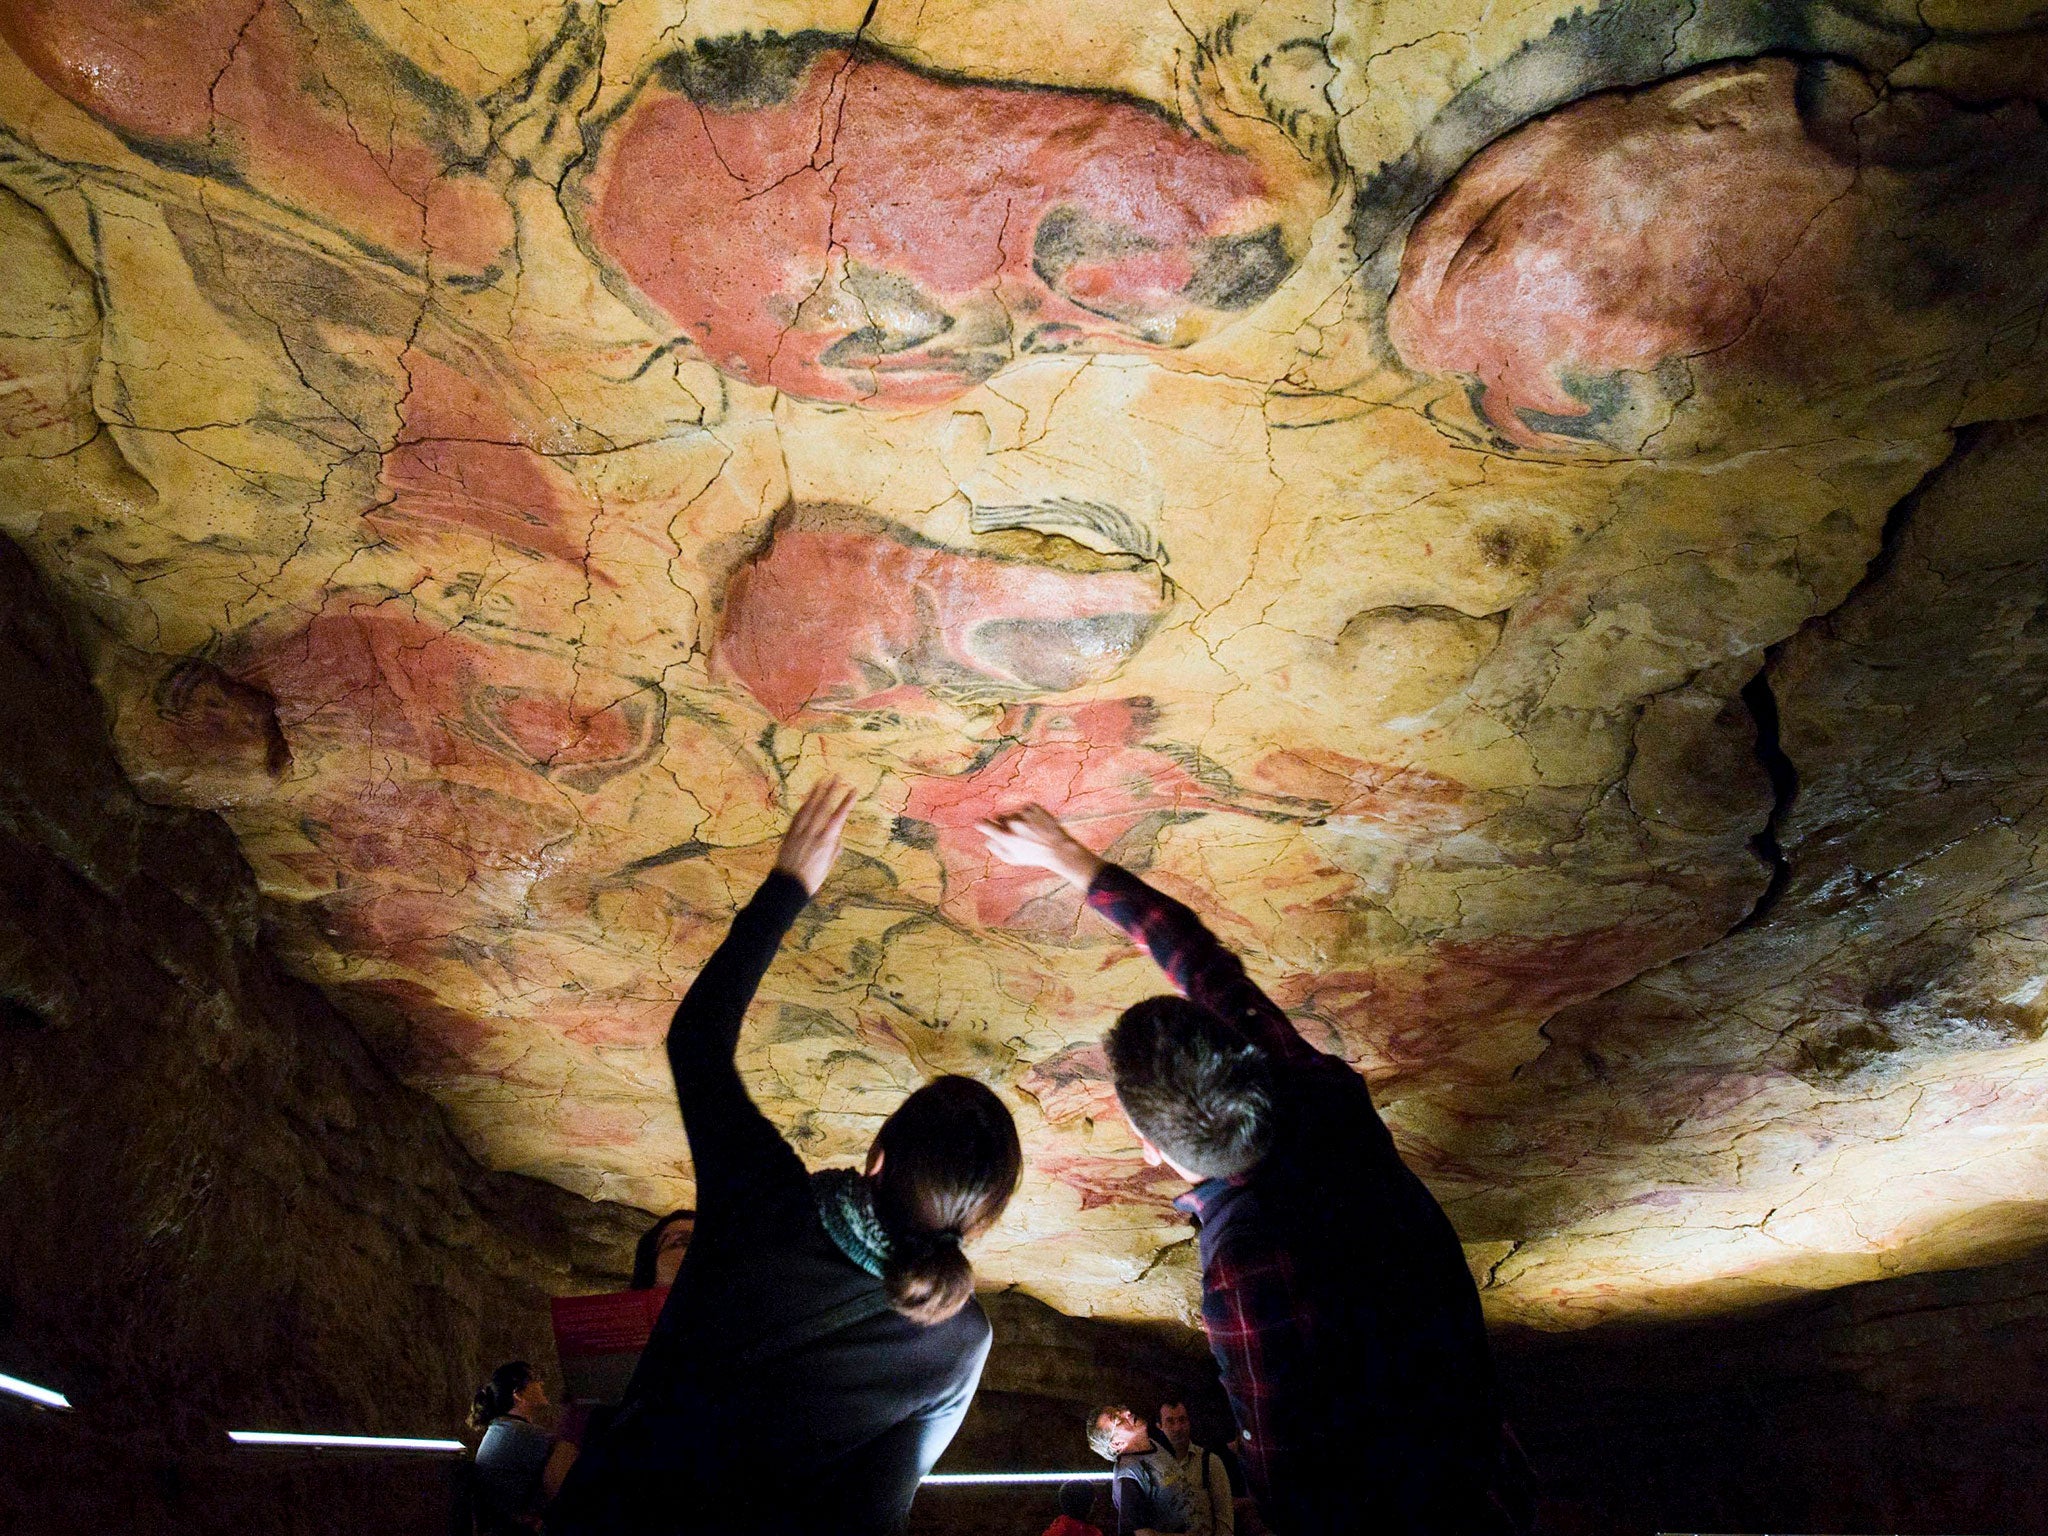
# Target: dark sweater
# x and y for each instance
(1335, 1293)
(833, 1436)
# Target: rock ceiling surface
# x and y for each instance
(1525, 514)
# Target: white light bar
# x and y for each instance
(342, 1442)
(35, 1394)
(943, 1478)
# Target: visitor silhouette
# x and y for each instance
(1334, 1291)
(821, 1343)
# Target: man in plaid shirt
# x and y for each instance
(1334, 1291)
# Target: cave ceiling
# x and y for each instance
(1530, 517)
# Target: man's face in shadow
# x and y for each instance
(1174, 1425)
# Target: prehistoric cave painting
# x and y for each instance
(843, 613)
(194, 735)
(427, 834)
(362, 400)
(1112, 1181)
(1092, 760)
(1588, 269)
(1073, 1084)
(832, 222)
(463, 470)
(367, 675)
(299, 102)
(1329, 784)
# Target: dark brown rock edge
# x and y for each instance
(219, 1210)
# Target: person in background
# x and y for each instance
(1335, 1292)
(1207, 1478)
(1150, 1493)
(1077, 1503)
(519, 1466)
(1247, 1513)
(821, 1343)
(659, 1253)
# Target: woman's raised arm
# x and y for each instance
(729, 1136)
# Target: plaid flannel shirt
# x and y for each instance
(1258, 1319)
(1275, 1350)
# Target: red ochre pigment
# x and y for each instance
(841, 615)
(250, 88)
(1111, 1180)
(464, 470)
(1618, 233)
(1089, 763)
(882, 237)
(364, 676)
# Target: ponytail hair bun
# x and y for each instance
(493, 1399)
(928, 1281)
(950, 1162)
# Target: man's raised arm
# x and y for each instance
(1199, 967)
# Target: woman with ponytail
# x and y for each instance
(821, 1343)
(519, 1466)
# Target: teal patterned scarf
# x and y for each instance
(846, 1205)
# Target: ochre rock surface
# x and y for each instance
(1356, 461)
(221, 1212)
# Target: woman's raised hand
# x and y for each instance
(1033, 838)
(811, 844)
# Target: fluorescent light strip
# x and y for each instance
(34, 1393)
(342, 1442)
(943, 1478)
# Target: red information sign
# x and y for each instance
(599, 1339)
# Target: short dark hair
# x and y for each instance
(1193, 1086)
(1077, 1500)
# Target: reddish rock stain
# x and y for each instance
(368, 676)
(1418, 1009)
(841, 615)
(583, 1124)
(435, 1040)
(1085, 764)
(1104, 1181)
(874, 235)
(599, 1022)
(248, 85)
(463, 466)
(421, 930)
(1622, 231)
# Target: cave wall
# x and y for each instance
(1911, 1405)
(223, 1212)
(1353, 457)
(1529, 519)
(1850, 1082)
(219, 1210)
